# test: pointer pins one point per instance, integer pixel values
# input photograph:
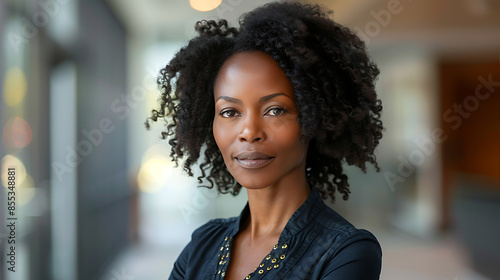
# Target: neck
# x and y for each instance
(272, 207)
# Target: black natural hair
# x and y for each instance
(333, 81)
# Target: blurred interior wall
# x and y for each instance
(103, 188)
(87, 36)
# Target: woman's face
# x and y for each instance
(255, 123)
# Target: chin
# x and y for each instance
(252, 182)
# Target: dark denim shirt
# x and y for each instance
(316, 243)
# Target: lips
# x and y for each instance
(253, 159)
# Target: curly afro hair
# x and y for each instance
(333, 80)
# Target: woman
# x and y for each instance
(277, 106)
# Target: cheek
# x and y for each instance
(221, 136)
(217, 134)
(287, 139)
(285, 131)
(278, 125)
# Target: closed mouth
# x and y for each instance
(253, 163)
(253, 159)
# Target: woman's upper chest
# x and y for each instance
(246, 255)
(236, 260)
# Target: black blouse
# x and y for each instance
(316, 243)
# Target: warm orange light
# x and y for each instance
(17, 133)
(204, 5)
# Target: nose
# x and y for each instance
(252, 130)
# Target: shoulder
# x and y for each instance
(343, 234)
(351, 252)
(332, 222)
(198, 254)
(214, 228)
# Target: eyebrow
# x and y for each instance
(262, 99)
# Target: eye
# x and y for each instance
(276, 111)
(228, 113)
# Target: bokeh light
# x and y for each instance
(26, 190)
(154, 173)
(10, 161)
(156, 168)
(204, 5)
(17, 133)
(14, 87)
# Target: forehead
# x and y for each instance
(251, 71)
(250, 61)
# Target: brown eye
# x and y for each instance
(228, 113)
(276, 111)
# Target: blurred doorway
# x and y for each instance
(471, 159)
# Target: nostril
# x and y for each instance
(251, 132)
(243, 139)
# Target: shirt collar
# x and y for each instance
(300, 218)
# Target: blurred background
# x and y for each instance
(97, 196)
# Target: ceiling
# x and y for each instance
(440, 23)
(174, 19)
